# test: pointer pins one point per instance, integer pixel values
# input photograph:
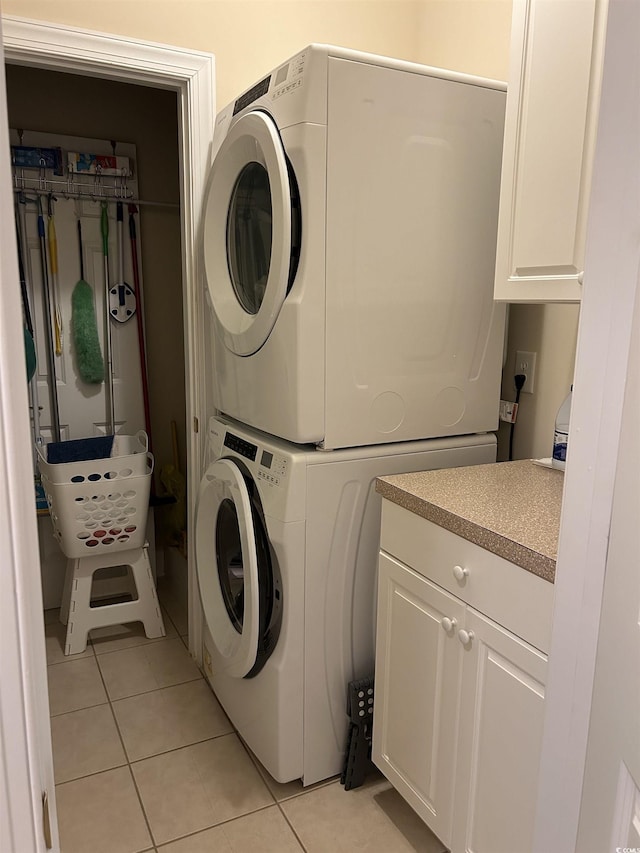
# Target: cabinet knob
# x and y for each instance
(466, 637)
(448, 624)
(460, 574)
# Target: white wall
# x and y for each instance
(551, 332)
(248, 37)
(466, 35)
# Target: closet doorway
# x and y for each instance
(74, 113)
(157, 72)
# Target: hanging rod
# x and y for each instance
(91, 196)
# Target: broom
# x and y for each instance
(84, 328)
(172, 479)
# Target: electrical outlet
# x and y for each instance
(526, 363)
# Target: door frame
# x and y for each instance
(24, 712)
(611, 286)
(191, 74)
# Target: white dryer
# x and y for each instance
(349, 234)
(287, 545)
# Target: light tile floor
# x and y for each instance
(146, 760)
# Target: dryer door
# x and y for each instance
(250, 232)
(227, 567)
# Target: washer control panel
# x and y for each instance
(240, 446)
(272, 468)
(268, 465)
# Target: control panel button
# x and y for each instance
(240, 446)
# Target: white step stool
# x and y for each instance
(80, 618)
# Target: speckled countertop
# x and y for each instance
(510, 508)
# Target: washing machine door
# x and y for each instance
(227, 568)
(250, 232)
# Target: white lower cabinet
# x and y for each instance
(499, 738)
(417, 692)
(459, 698)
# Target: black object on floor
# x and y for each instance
(360, 711)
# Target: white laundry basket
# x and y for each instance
(100, 505)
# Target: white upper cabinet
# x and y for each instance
(550, 131)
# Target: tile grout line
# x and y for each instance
(121, 698)
(254, 760)
(126, 755)
(74, 658)
(175, 627)
(227, 820)
(90, 775)
(129, 763)
(75, 710)
(109, 702)
(221, 823)
(324, 783)
(133, 761)
(290, 825)
(156, 689)
(154, 641)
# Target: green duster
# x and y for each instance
(85, 334)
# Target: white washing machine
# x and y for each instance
(349, 235)
(286, 551)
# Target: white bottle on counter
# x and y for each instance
(561, 434)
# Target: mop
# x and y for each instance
(50, 350)
(26, 285)
(84, 328)
(84, 331)
(141, 344)
(110, 403)
(53, 265)
(29, 346)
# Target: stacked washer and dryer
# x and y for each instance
(349, 240)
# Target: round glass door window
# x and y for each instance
(248, 232)
(249, 236)
(230, 562)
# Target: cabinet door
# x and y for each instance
(550, 129)
(418, 661)
(501, 717)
